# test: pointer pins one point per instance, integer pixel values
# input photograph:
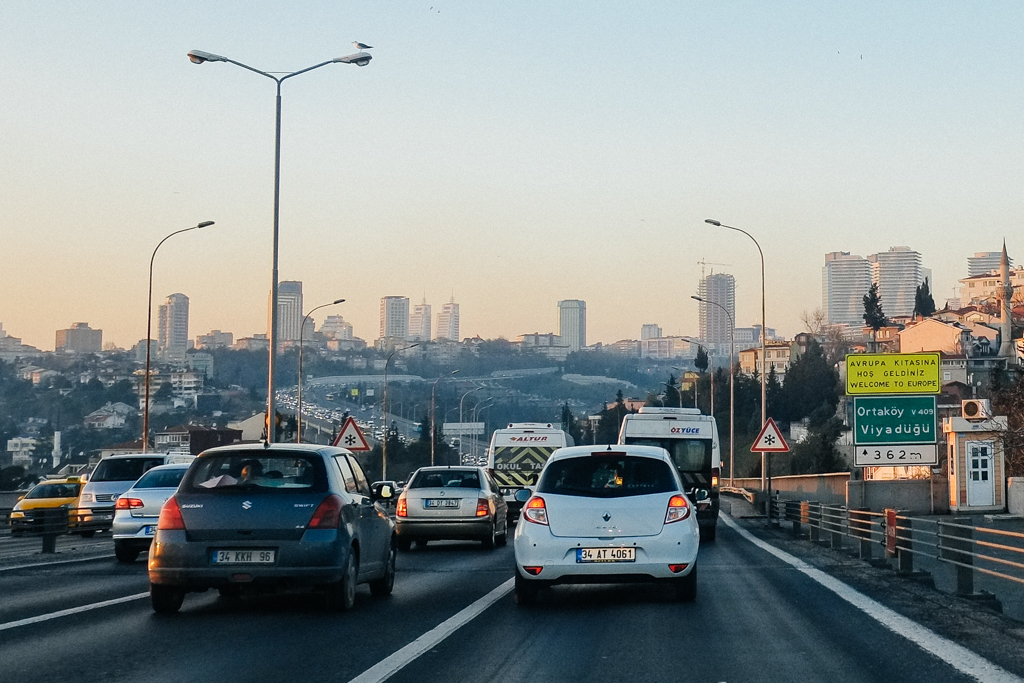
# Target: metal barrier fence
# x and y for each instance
(966, 548)
(48, 524)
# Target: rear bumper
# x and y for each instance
(456, 529)
(126, 527)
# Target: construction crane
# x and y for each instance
(704, 264)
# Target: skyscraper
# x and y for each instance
(898, 273)
(845, 279)
(448, 321)
(419, 322)
(650, 331)
(289, 310)
(714, 323)
(572, 323)
(985, 262)
(394, 317)
(172, 338)
(79, 337)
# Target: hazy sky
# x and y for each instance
(514, 153)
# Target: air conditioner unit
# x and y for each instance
(976, 409)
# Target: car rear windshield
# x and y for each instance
(434, 479)
(161, 479)
(54, 491)
(124, 469)
(688, 455)
(607, 476)
(246, 471)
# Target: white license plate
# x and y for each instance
(606, 554)
(244, 556)
(441, 502)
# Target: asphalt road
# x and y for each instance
(756, 618)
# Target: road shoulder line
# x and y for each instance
(56, 563)
(388, 667)
(960, 658)
(72, 610)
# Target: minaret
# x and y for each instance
(1005, 340)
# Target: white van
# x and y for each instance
(691, 439)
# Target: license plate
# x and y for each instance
(606, 554)
(149, 530)
(244, 556)
(441, 502)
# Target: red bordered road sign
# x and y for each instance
(351, 437)
(770, 440)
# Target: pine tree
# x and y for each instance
(924, 304)
(873, 315)
(701, 361)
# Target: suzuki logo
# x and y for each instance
(606, 517)
(246, 505)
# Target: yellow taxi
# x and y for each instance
(46, 495)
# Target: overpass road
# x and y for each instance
(760, 615)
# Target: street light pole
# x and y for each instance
(384, 443)
(462, 428)
(732, 392)
(477, 409)
(149, 330)
(433, 414)
(302, 330)
(199, 57)
(766, 478)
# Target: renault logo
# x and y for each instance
(606, 517)
(246, 505)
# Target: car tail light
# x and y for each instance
(327, 514)
(716, 472)
(676, 568)
(128, 503)
(402, 510)
(533, 571)
(170, 516)
(535, 511)
(482, 507)
(678, 509)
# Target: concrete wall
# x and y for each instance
(822, 488)
(910, 496)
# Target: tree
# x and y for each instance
(1008, 399)
(874, 317)
(924, 304)
(701, 361)
(811, 384)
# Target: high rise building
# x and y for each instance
(650, 331)
(845, 279)
(172, 337)
(898, 274)
(448, 321)
(335, 327)
(289, 310)
(419, 322)
(715, 325)
(394, 317)
(985, 262)
(572, 323)
(80, 338)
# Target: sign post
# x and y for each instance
(351, 437)
(769, 440)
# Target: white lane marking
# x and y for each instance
(58, 562)
(73, 610)
(960, 658)
(388, 667)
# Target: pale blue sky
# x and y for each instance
(515, 153)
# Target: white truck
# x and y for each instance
(517, 455)
(691, 440)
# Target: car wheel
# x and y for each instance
(404, 544)
(686, 587)
(385, 584)
(125, 554)
(707, 534)
(88, 534)
(341, 596)
(166, 599)
(526, 591)
(491, 539)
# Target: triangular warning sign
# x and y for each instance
(351, 437)
(770, 440)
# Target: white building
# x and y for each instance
(172, 337)
(394, 317)
(845, 279)
(715, 326)
(984, 262)
(289, 310)
(650, 331)
(215, 340)
(335, 327)
(419, 322)
(665, 348)
(448, 321)
(572, 323)
(898, 274)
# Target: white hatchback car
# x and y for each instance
(614, 514)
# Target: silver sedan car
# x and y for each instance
(137, 510)
(451, 503)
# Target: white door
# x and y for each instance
(981, 488)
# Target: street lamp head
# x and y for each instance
(359, 59)
(697, 298)
(198, 57)
(712, 221)
(338, 301)
(204, 224)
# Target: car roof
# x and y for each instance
(276, 448)
(171, 466)
(629, 449)
(447, 468)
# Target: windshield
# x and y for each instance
(688, 455)
(124, 469)
(161, 479)
(607, 476)
(54, 491)
(436, 479)
(246, 471)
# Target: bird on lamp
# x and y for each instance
(362, 46)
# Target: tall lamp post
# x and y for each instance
(433, 414)
(766, 478)
(149, 329)
(477, 409)
(462, 432)
(302, 330)
(384, 443)
(732, 392)
(198, 57)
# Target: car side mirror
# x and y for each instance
(382, 491)
(21, 498)
(523, 495)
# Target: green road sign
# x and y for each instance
(894, 420)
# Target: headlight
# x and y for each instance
(17, 514)
(88, 498)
